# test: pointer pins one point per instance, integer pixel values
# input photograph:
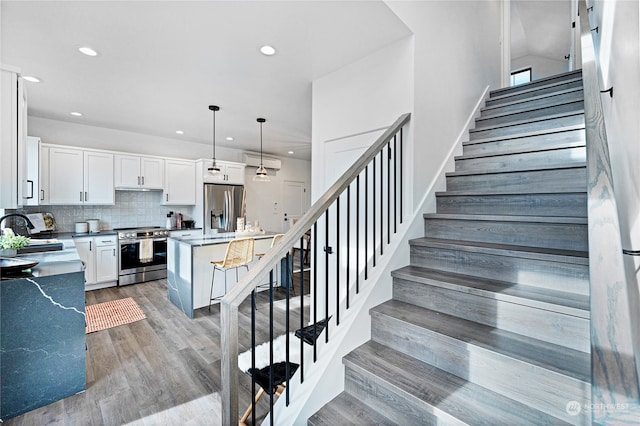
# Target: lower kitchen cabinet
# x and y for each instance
(100, 257)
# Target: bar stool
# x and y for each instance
(239, 253)
(274, 241)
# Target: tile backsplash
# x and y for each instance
(131, 209)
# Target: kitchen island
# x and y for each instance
(42, 350)
(189, 268)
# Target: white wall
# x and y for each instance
(457, 54)
(540, 66)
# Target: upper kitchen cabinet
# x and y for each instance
(13, 116)
(230, 173)
(80, 176)
(179, 183)
(31, 195)
(138, 172)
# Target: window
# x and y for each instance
(521, 76)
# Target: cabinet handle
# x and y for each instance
(31, 183)
(167, 197)
(80, 195)
(142, 180)
(138, 180)
(114, 252)
(42, 197)
(86, 198)
(90, 243)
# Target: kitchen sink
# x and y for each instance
(9, 265)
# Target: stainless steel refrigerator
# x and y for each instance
(223, 205)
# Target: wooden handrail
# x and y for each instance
(614, 381)
(230, 302)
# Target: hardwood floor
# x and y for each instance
(164, 370)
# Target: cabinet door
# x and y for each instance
(44, 176)
(98, 178)
(127, 171)
(65, 176)
(85, 248)
(106, 263)
(152, 172)
(31, 193)
(180, 183)
(235, 173)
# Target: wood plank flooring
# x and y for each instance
(164, 370)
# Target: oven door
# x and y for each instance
(133, 260)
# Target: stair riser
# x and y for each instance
(542, 142)
(537, 387)
(576, 95)
(562, 236)
(538, 83)
(561, 180)
(558, 328)
(394, 403)
(492, 101)
(530, 114)
(525, 161)
(568, 277)
(569, 204)
(514, 129)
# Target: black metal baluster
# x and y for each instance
(395, 185)
(271, 344)
(286, 326)
(338, 261)
(373, 210)
(366, 222)
(381, 193)
(327, 251)
(302, 307)
(253, 355)
(388, 192)
(348, 239)
(315, 288)
(401, 172)
(358, 234)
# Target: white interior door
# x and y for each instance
(295, 202)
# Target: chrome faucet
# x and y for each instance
(26, 219)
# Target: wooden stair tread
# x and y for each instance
(551, 300)
(532, 98)
(507, 218)
(562, 360)
(528, 121)
(523, 150)
(537, 168)
(534, 191)
(448, 395)
(532, 85)
(524, 134)
(346, 409)
(534, 108)
(555, 255)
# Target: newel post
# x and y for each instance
(229, 362)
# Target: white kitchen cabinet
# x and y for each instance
(179, 183)
(80, 177)
(31, 194)
(230, 172)
(100, 257)
(138, 172)
(13, 116)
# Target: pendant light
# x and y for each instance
(261, 173)
(214, 169)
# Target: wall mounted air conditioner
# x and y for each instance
(253, 160)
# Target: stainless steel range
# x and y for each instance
(143, 254)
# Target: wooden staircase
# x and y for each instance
(489, 324)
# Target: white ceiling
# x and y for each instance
(540, 28)
(161, 63)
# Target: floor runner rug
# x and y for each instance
(111, 314)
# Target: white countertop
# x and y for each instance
(205, 240)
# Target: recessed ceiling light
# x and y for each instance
(31, 78)
(88, 51)
(180, 132)
(77, 114)
(267, 50)
(229, 138)
(291, 152)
